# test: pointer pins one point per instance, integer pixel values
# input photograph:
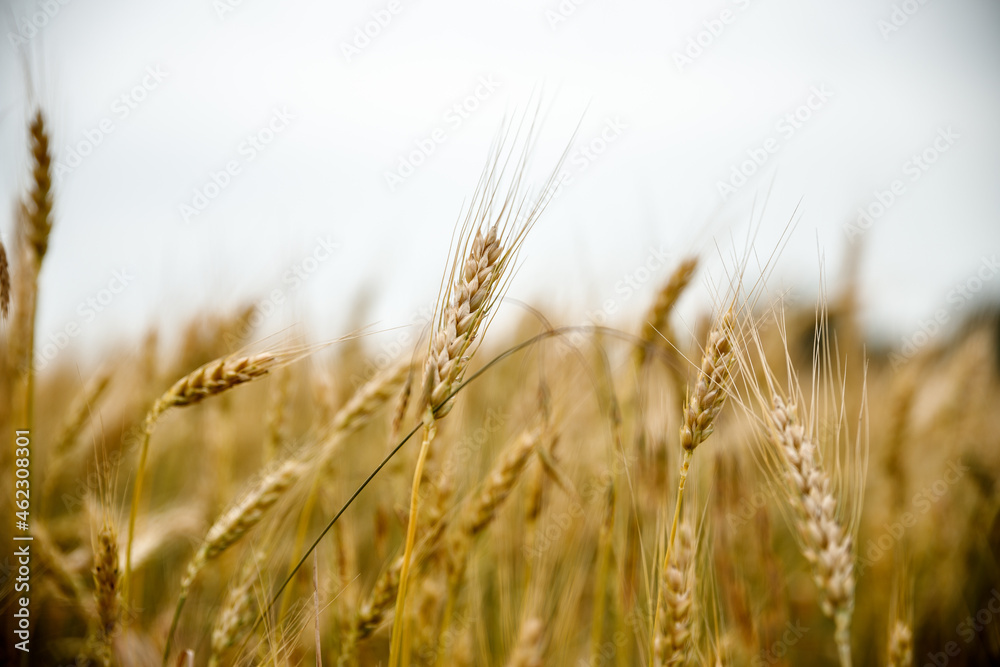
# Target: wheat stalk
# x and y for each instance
(487, 244)
(702, 408)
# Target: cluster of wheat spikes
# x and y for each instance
(752, 488)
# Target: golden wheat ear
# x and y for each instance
(211, 379)
(656, 325)
(824, 506)
(496, 222)
(106, 589)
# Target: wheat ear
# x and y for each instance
(35, 217)
(656, 326)
(237, 614)
(233, 525)
(825, 542)
(478, 514)
(530, 645)
(676, 599)
(495, 226)
(209, 380)
(106, 579)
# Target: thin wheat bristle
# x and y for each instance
(826, 544)
(676, 599)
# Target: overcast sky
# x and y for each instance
(215, 152)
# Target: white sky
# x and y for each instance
(682, 130)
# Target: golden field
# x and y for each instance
(764, 490)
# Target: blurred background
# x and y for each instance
(314, 157)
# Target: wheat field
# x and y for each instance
(765, 490)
